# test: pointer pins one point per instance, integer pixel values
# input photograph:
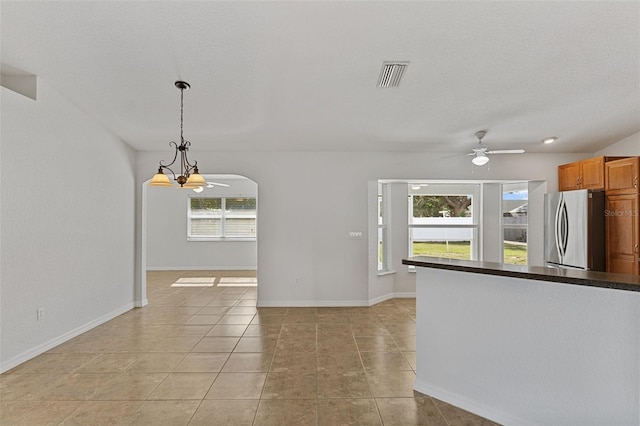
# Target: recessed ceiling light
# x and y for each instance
(549, 140)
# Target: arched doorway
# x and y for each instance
(203, 237)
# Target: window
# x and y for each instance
(221, 218)
(383, 246)
(515, 198)
(442, 222)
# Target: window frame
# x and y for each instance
(384, 264)
(504, 226)
(223, 219)
(434, 189)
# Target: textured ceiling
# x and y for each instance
(302, 75)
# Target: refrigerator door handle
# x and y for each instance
(556, 230)
(565, 228)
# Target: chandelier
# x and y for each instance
(189, 176)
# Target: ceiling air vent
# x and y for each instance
(391, 73)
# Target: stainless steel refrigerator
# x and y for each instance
(574, 234)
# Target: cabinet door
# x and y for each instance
(623, 229)
(592, 173)
(621, 176)
(568, 176)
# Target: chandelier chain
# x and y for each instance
(181, 113)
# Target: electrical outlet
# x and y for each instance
(297, 280)
(40, 314)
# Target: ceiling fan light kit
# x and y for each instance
(480, 153)
(480, 159)
(189, 176)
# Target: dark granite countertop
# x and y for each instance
(556, 275)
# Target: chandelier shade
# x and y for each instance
(195, 180)
(189, 176)
(160, 179)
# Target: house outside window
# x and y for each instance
(515, 198)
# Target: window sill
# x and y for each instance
(383, 273)
(221, 239)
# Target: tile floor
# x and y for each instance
(207, 356)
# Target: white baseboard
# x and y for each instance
(141, 303)
(469, 405)
(380, 299)
(404, 295)
(331, 303)
(33, 352)
(389, 296)
(310, 303)
(202, 268)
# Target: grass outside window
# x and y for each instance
(516, 253)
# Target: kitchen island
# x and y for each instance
(529, 345)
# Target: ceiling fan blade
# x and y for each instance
(459, 155)
(506, 151)
(210, 184)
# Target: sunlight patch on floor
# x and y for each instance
(194, 282)
(238, 282)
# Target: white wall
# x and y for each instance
(166, 220)
(491, 227)
(404, 282)
(67, 207)
(629, 146)
(525, 352)
(535, 223)
(310, 201)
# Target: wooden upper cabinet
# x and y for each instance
(569, 176)
(621, 176)
(592, 173)
(584, 174)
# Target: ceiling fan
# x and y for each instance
(199, 189)
(481, 150)
(212, 184)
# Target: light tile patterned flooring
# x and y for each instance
(207, 356)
